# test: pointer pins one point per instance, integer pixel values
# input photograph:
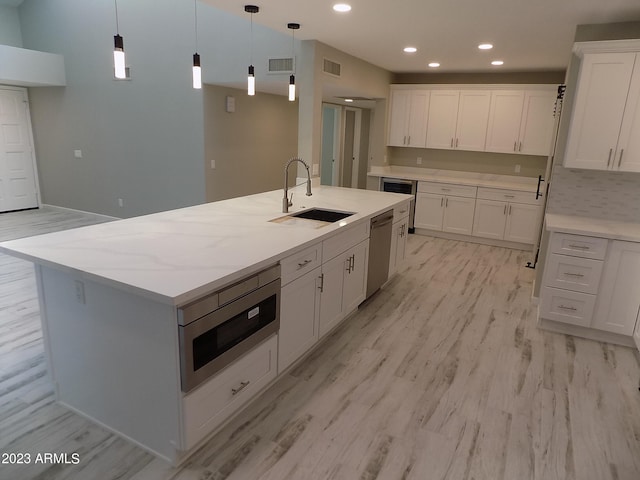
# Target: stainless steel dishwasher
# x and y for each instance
(379, 251)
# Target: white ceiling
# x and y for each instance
(529, 35)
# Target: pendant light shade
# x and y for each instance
(292, 79)
(119, 63)
(118, 57)
(197, 72)
(251, 77)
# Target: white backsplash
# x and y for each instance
(596, 194)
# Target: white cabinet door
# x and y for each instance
(504, 121)
(429, 211)
(458, 215)
(600, 101)
(393, 254)
(522, 222)
(299, 313)
(619, 295)
(355, 280)
(628, 154)
(417, 124)
(332, 283)
(399, 118)
(536, 129)
(636, 333)
(443, 114)
(473, 117)
(490, 219)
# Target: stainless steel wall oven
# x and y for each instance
(219, 328)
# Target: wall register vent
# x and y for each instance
(331, 67)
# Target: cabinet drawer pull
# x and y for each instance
(243, 385)
(609, 159)
(505, 209)
(451, 142)
(509, 196)
(580, 247)
(520, 147)
(456, 143)
(409, 140)
(404, 140)
(445, 189)
(403, 211)
(509, 209)
(620, 160)
(446, 203)
(441, 201)
(304, 264)
(515, 145)
(321, 287)
(577, 275)
(573, 309)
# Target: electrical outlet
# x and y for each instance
(517, 168)
(120, 202)
(315, 168)
(419, 161)
(77, 153)
(213, 164)
(385, 159)
(80, 292)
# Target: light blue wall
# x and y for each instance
(10, 33)
(142, 140)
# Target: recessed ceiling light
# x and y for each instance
(342, 7)
(410, 49)
(434, 65)
(348, 100)
(497, 62)
(485, 46)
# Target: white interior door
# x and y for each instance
(18, 180)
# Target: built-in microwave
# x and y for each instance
(219, 328)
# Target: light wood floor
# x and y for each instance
(441, 375)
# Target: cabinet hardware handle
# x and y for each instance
(456, 143)
(404, 140)
(520, 147)
(243, 385)
(580, 247)
(505, 209)
(353, 262)
(620, 160)
(573, 309)
(509, 196)
(441, 202)
(609, 159)
(451, 142)
(515, 145)
(321, 287)
(409, 140)
(446, 203)
(303, 264)
(403, 211)
(569, 274)
(445, 189)
(509, 209)
(348, 265)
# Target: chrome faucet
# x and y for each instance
(286, 203)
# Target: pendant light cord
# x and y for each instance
(251, 46)
(117, 26)
(195, 15)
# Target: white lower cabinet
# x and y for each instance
(490, 219)
(343, 285)
(429, 211)
(619, 294)
(214, 401)
(299, 315)
(592, 282)
(445, 213)
(523, 223)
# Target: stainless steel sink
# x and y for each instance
(322, 215)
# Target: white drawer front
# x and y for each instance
(401, 211)
(573, 273)
(344, 240)
(513, 196)
(566, 306)
(300, 263)
(214, 401)
(579, 245)
(447, 189)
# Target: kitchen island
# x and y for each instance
(111, 296)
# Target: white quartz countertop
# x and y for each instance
(177, 256)
(593, 227)
(507, 182)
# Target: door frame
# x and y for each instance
(357, 138)
(34, 163)
(337, 141)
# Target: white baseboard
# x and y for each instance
(474, 239)
(97, 215)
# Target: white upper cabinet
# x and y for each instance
(408, 118)
(605, 124)
(458, 119)
(521, 122)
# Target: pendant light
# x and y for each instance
(292, 77)
(118, 50)
(251, 78)
(196, 70)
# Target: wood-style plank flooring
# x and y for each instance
(441, 375)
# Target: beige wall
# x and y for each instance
(251, 146)
(481, 162)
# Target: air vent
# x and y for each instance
(331, 67)
(281, 65)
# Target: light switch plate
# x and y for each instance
(77, 153)
(230, 104)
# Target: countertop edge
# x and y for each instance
(593, 227)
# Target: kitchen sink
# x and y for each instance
(322, 215)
